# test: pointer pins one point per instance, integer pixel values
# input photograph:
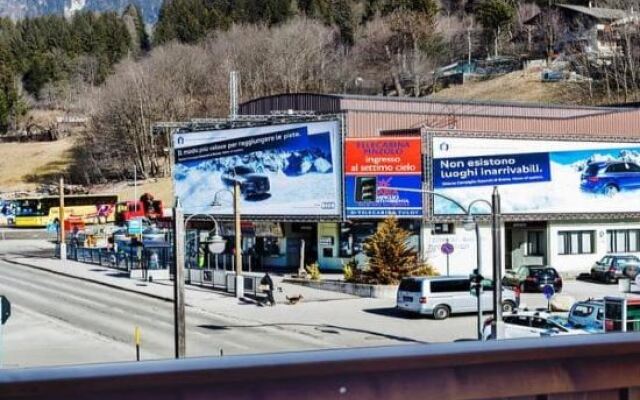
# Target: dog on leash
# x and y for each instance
(294, 299)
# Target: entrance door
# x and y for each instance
(526, 244)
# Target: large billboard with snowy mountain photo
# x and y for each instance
(285, 169)
(536, 176)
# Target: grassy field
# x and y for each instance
(516, 86)
(22, 164)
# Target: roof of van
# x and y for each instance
(437, 278)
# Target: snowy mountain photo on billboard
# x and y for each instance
(288, 169)
(536, 176)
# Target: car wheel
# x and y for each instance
(508, 306)
(612, 279)
(611, 190)
(441, 312)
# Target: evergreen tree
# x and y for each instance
(390, 256)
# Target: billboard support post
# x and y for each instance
(179, 329)
(238, 244)
(497, 263)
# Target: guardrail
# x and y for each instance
(603, 366)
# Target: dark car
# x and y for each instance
(612, 267)
(251, 183)
(610, 177)
(532, 278)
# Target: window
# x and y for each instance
(410, 285)
(623, 240)
(576, 242)
(534, 243)
(453, 285)
(582, 311)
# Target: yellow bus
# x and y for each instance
(40, 211)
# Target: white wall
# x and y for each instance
(463, 259)
(573, 264)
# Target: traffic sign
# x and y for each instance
(446, 248)
(5, 309)
(548, 291)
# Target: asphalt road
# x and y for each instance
(86, 309)
(63, 320)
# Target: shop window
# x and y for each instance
(576, 242)
(535, 243)
(623, 240)
(353, 235)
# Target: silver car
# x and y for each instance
(442, 296)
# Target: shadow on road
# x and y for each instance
(392, 312)
(586, 277)
(324, 328)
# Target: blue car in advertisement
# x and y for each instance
(610, 177)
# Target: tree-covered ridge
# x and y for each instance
(38, 52)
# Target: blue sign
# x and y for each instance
(446, 248)
(548, 291)
(504, 169)
(387, 201)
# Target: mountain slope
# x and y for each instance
(17, 9)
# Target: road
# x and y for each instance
(63, 320)
(53, 305)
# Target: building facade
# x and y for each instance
(570, 238)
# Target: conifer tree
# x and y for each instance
(390, 256)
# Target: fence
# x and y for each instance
(559, 368)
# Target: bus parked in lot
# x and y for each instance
(40, 211)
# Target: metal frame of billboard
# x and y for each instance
(427, 141)
(253, 121)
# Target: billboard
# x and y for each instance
(372, 166)
(287, 169)
(536, 176)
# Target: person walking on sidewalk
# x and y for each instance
(267, 286)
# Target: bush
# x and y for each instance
(314, 271)
(350, 271)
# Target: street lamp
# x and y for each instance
(469, 223)
(215, 242)
(238, 234)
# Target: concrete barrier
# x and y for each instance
(356, 289)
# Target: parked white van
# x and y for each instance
(441, 296)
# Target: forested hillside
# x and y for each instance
(124, 78)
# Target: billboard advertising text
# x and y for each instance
(374, 165)
(289, 169)
(537, 176)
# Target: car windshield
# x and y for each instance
(243, 170)
(592, 170)
(542, 272)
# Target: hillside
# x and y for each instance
(18, 9)
(21, 163)
(516, 86)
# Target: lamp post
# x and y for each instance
(215, 245)
(469, 224)
(238, 234)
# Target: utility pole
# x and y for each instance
(63, 244)
(469, 46)
(233, 94)
(238, 244)
(178, 283)
(497, 262)
(479, 272)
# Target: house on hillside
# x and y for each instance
(579, 29)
